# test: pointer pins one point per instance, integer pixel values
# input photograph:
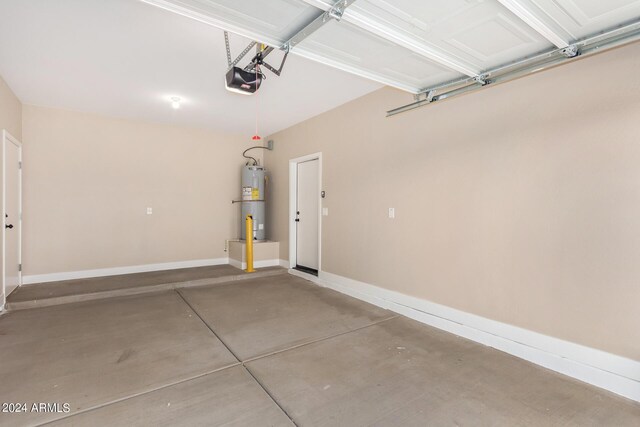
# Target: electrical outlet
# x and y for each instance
(149, 211)
(270, 144)
(392, 213)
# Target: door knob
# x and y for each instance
(8, 226)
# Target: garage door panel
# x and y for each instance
(481, 33)
(275, 20)
(584, 18)
(354, 46)
(414, 44)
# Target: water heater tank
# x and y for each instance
(253, 201)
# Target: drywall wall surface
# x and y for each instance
(10, 111)
(89, 179)
(519, 203)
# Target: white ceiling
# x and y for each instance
(124, 58)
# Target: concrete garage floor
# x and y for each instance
(273, 350)
(66, 291)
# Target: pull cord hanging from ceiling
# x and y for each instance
(256, 136)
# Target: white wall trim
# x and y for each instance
(284, 263)
(237, 264)
(293, 198)
(615, 373)
(256, 264)
(101, 272)
(8, 138)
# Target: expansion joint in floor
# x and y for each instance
(237, 358)
(243, 363)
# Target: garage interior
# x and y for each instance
(320, 212)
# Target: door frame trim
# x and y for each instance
(8, 138)
(293, 201)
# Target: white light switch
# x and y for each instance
(149, 211)
(325, 211)
(392, 213)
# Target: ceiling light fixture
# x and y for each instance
(175, 102)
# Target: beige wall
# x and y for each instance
(88, 180)
(10, 111)
(519, 203)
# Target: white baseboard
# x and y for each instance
(256, 264)
(101, 272)
(284, 263)
(615, 373)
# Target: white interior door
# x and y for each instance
(307, 214)
(12, 220)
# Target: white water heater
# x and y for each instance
(253, 201)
